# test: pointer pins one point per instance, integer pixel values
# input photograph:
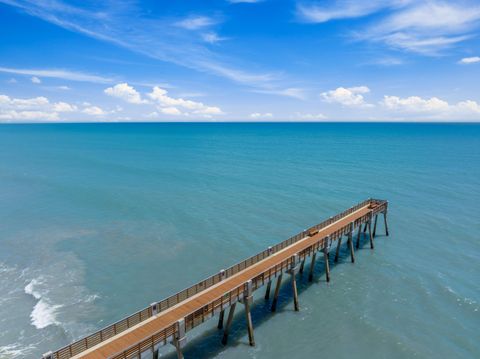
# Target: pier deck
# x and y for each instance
(162, 322)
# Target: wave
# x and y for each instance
(43, 313)
(30, 288)
(15, 350)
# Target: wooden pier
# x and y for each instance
(169, 320)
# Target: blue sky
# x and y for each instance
(239, 60)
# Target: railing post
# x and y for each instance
(48, 355)
(154, 308)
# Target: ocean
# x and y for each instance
(99, 220)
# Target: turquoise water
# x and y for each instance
(99, 220)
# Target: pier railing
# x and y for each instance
(200, 315)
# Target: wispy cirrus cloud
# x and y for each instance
(318, 12)
(196, 22)
(59, 74)
(165, 39)
(426, 27)
(244, 1)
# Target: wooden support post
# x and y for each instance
(312, 265)
(267, 292)
(337, 252)
(220, 319)
(155, 354)
(365, 228)
(375, 226)
(275, 295)
(350, 246)
(179, 351)
(302, 265)
(386, 225)
(179, 339)
(325, 256)
(370, 233)
(229, 323)
(248, 301)
(293, 272)
(358, 236)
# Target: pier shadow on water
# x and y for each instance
(208, 343)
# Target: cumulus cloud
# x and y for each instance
(310, 116)
(171, 111)
(94, 111)
(351, 96)
(433, 106)
(163, 100)
(469, 60)
(64, 107)
(258, 115)
(36, 80)
(29, 109)
(125, 92)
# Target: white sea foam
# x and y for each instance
(14, 351)
(44, 314)
(31, 288)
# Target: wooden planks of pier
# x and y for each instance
(167, 321)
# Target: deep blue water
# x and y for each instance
(99, 220)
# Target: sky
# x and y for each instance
(239, 60)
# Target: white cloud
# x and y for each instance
(94, 111)
(212, 37)
(13, 115)
(125, 92)
(65, 88)
(310, 116)
(432, 106)
(426, 27)
(30, 109)
(160, 38)
(294, 92)
(12, 81)
(317, 13)
(36, 80)
(171, 111)
(161, 98)
(196, 22)
(59, 74)
(414, 104)
(258, 115)
(351, 96)
(64, 107)
(469, 60)
(244, 1)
